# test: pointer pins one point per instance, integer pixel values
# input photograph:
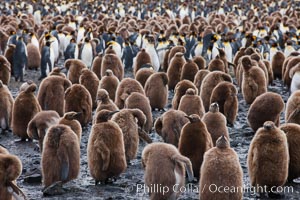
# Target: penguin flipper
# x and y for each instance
(64, 171)
(188, 165)
(104, 152)
(254, 88)
(144, 136)
(158, 125)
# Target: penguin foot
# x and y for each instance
(37, 148)
(128, 162)
(4, 131)
(54, 189)
(110, 180)
(229, 124)
(20, 140)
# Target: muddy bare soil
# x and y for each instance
(129, 185)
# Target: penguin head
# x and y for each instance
(31, 88)
(54, 134)
(12, 32)
(214, 107)
(109, 72)
(246, 62)
(104, 115)
(86, 40)
(269, 125)
(222, 142)
(72, 115)
(190, 91)
(72, 40)
(193, 118)
(102, 95)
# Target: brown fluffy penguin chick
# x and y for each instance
(199, 78)
(268, 157)
(174, 70)
(221, 167)
(216, 65)
(194, 141)
(112, 62)
(266, 107)
(91, 82)
(254, 81)
(165, 166)
(105, 150)
(169, 125)
(292, 132)
(5, 70)
(156, 89)
(139, 101)
(110, 83)
(78, 99)
(130, 120)
(96, 66)
(277, 64)
(40, 123)
(51, 93)
(191, 103)
(142, 58)
(125, 88)
(180, 90)
(10, 170)
(26, 106)
(6, 107)
(33, 57)
(189, 70)
(143, 74)
(61, 155)
(174, 50)
(74, 67)
(70, 119)
(210, 81)
(200, 62)
(215, 123)
(225, 94)
(56, 71)
(292, 112)
(104, 102)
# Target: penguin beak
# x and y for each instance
(77, 114)
(188, 117)
(112, 113)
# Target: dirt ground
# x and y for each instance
(126, 187)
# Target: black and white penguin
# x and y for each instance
(150, 49)
(19, 59)
(71, 50)
(86, 53)
(45, 60)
